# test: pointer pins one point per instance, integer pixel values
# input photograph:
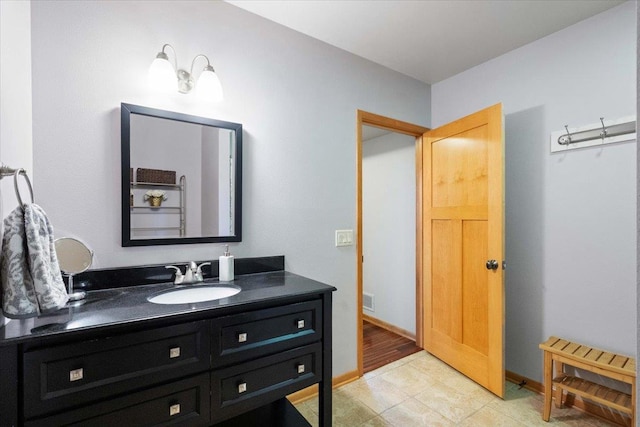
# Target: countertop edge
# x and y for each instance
(302, 287)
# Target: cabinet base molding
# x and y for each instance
(571, 401)
(310, 392)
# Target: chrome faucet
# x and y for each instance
(189, 272)
(192, 273)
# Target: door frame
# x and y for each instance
(382, 122)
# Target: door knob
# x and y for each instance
(492, 264)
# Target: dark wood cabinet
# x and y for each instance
(244, 336)
(63, 376)
(179, 403)
(252, 384)
(220, 366)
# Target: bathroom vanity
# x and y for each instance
(117, 359)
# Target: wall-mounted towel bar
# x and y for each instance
(605, 132)
(7, 171)
(599, 133)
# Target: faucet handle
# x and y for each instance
(179, 276)
(199, 270)
(199, 276)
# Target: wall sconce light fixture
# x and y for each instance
(167, 77)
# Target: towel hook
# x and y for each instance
(568, 135)
(15, 185)
(603, 134)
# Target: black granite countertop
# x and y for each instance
(127, 305)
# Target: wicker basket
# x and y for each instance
(156, 176)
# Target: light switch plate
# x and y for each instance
(344, 237)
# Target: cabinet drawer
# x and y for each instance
(77, 373)
(252, 384)
(239, 337)
(181, 403)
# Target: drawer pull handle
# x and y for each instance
(301, 368)
(300, 324)
(76, 375)
(242, 337)
(174, 409)
(242, 387)
(174, 352)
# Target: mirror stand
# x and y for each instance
(74, 257)
(74, 296)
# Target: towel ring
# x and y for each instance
(15, 185)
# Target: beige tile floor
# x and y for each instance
(420, 390)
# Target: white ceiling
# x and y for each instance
(429, 40)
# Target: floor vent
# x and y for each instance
(367, 301)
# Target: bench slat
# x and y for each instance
(619, 361)
(630, 365)
(593, 355)
(572, 347)
(606, 358)
(596, 392)
(561, 344)
(550, 342)
(582, 351)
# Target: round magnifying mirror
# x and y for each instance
(73, 257)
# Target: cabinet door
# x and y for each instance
(240, 337)
(181, 403)
(68, 375)
(247, 386)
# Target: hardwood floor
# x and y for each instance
(381, 346)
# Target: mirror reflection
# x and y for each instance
(181, 178)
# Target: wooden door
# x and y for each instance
(463, 229)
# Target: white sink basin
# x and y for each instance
(193, 294)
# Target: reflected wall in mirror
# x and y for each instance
(181, 178)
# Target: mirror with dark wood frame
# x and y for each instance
(181, 178)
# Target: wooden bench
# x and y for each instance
(563, 352)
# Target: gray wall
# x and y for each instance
(296, 97)
(570, 218)
(15, 101)
(388, 228)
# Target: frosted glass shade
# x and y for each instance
(209, 87)
(162, 76)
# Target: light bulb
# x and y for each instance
(162, 76)
(208, 86)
